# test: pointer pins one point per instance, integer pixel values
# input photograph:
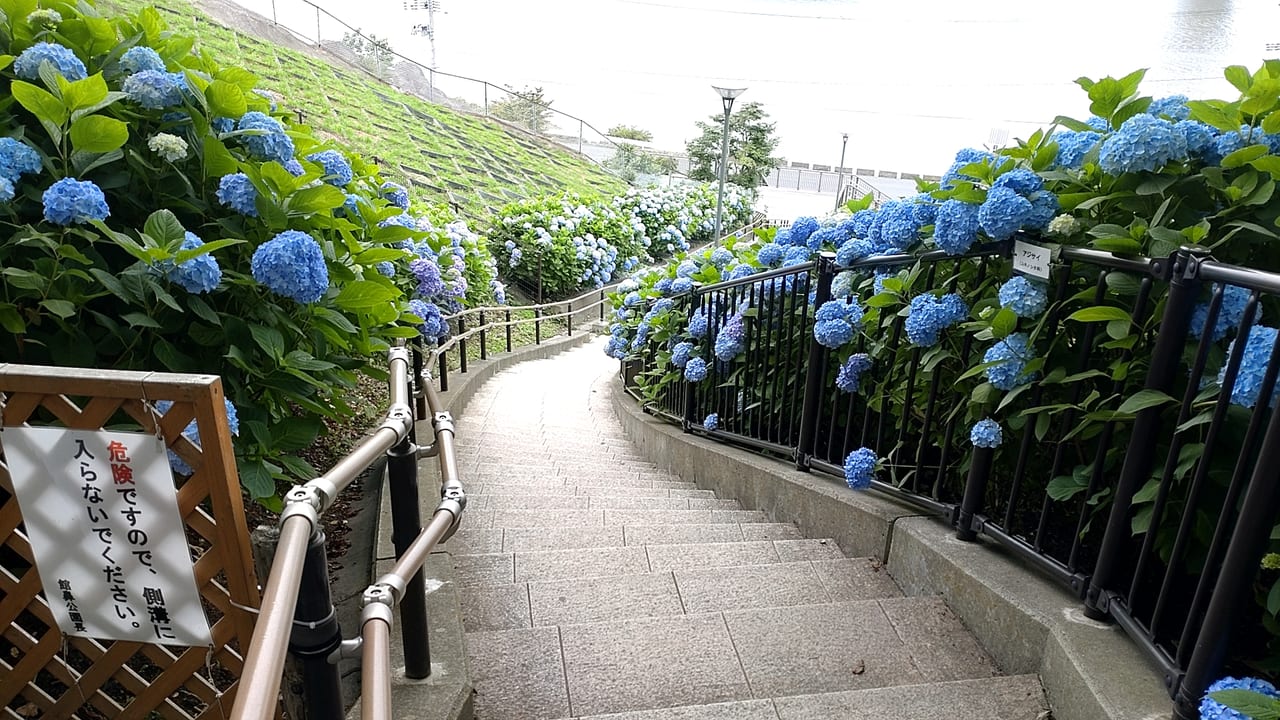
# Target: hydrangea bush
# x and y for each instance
(1142, 177)
(161, 213)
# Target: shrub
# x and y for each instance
(162, 217)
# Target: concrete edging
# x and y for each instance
(447, 693)
(1029, 625)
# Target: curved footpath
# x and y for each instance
(594, 583)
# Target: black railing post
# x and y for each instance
(537, 326)
(568, 318)
(443, 364)
(406, 523)
(508, 326)
(316, 635)
(484, 338)
(601, 304)
(1166, 359)
(462, 344)
(1235, 582)
(975, 488)
(817, 370)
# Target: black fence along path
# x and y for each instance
(595, 583)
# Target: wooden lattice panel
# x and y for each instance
(46, 674)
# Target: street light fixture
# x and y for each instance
(844, 142)
(727, 96)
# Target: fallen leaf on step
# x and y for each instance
(859, 667)
(29, 710)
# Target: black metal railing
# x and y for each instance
(1132, 472)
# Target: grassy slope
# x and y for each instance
(447, 156)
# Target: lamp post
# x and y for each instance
(844, 142)
(727, 96)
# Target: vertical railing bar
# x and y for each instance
(462, 344)
(484, 339)
(507, 317)
(816, 371)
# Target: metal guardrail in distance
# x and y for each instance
(1139, 472)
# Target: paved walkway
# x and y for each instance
(595, 583)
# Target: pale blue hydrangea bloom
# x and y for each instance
(238, 193)
(433, 326)
(430, 283)
(386, 269)
(929, 315)
(956, 227)
(712, 422)
(1011, 356)
(71, 201)
(731, 340)
(139, 58)
(681, 284)
(721, 257)
(801, 229)
(835, 323)
(1073, 146)
(337, 171)
(698, 324)
(1173, 108)
(849, 378)
(1026, 298)
(860, 468)
(986, 434)
(17, 159)
(291, 264)
(1003, 213)
(770, 254)
(27, 65)
(681, 354)
(695, 370)
(1144, 143)
(6, 190)
(1230, 313)
(199, 274)
(1253, 367)
(270, 142)
(396, 195)
(192, 433)
(155, 89)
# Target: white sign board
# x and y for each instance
(1031, 259)
(101, 512)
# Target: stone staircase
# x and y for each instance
(594, 583)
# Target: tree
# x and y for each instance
(631, 160)
(751, 144)
(528, 107)
(630, 132)
(372, 53)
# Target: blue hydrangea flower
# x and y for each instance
(956, 227)
(964, 158)
(897, 225)
(222, 125)
(680, 285)
(1010, 356)
(238, 193)
(663, 286)
(712, 422)
(27, 65)
(433, 326)
(1073, 146)
(155, 89)
(695, 370)
(396, 195)
(1098, 123)
(721, 257)
(698, 324)
(924, 209)
(17, 159)
(1026, 298)
(1003, 213)
(860, 468)
(337, 171)
(427, 273)
(1143, 143)
(681, 354)
(797, 254)
(406, 220)
(71, 201)
(295, 169)
(783, 237)
(842, 283)
(631, 299)
(686, 269)
(617, 347)
(852, 251)
(731, 340)
(740, 271)
(1020, 180)
(850, 375)
(270, 142)
(826, 237)
(929, 315)
(291, 264)
(802, 228)
(1211, 709)
(835, 323)
(862, 222)
(1199, 137)
(1253, 366)
(986, 434)
(139, 58)
(1173, 108)
(1044, 206)
(192, 433)
(1230, 313)
(771, 254)
(386, 269)
(6, 190)
(199, 274)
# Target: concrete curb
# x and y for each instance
(1029, 625)
(447, 693)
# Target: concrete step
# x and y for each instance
(1016, 697)
(513, 518)
(478, 535)
(565, 501)
(494, 481)
(651, 663)
(475, 489)
(551, 594)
